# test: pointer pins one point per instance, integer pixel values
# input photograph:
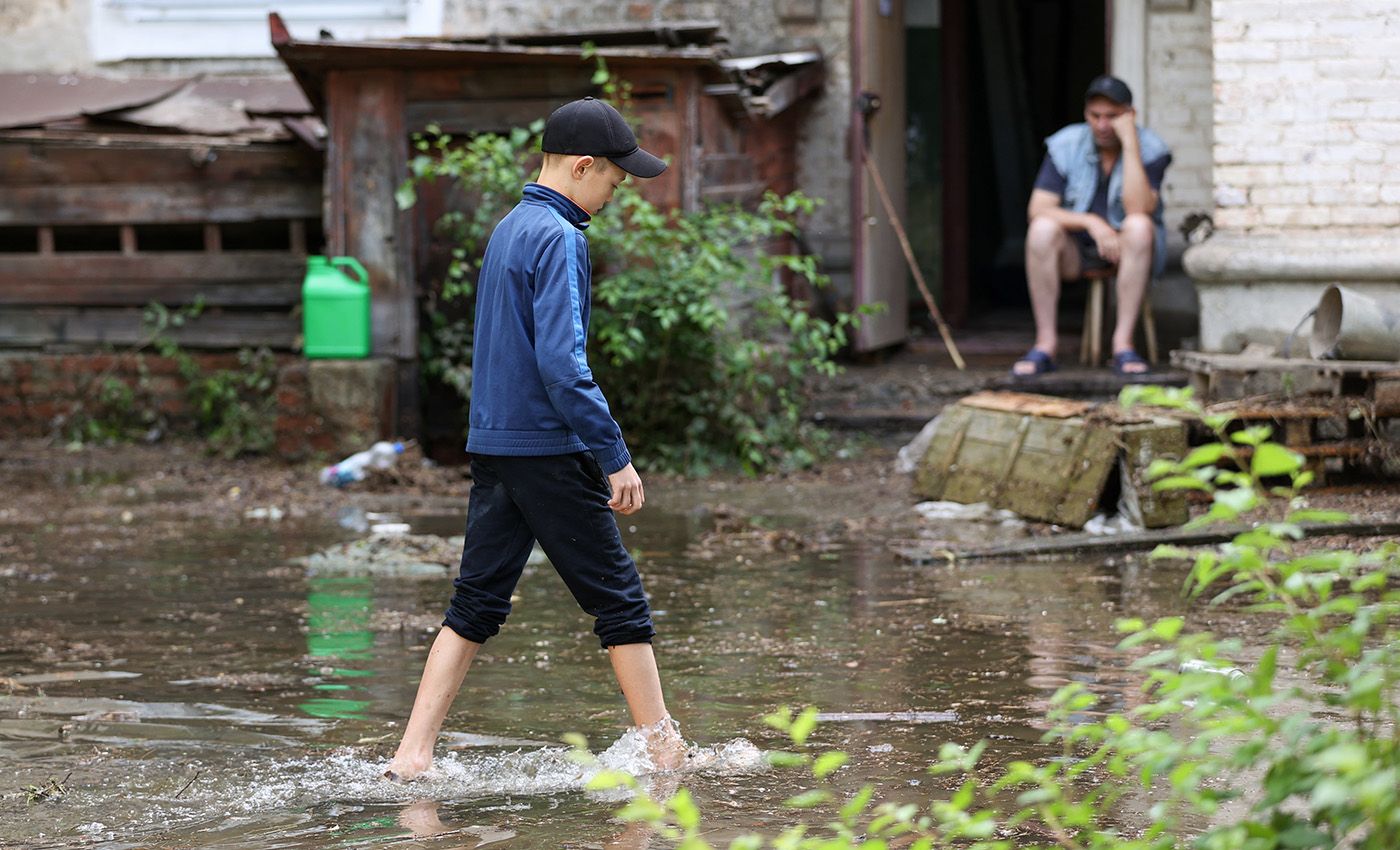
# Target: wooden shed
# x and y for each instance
(728, 124)
(118, 193)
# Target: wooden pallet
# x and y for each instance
(1228, 377)
(1333, 412)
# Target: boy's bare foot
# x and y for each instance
(406, 769)
(665, 746)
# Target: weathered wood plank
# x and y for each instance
(27, 328)
(478, 116)
(100, 267)
(1028, 403)
(138, 293)
(53, 162)
(504, 83)
(162, 203)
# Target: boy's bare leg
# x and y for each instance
(635, 667)
(443, 673)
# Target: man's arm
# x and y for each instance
(1045, 203)
(1138, 194)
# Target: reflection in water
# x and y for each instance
(339, 610)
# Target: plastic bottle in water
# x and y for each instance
(381, 455)
(1197, 665)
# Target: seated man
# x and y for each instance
(1095, 203)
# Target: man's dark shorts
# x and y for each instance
(1089, 257)
(561, 501)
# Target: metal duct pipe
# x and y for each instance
(1350, 326)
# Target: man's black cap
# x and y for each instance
(590, 127)
(1110, 87)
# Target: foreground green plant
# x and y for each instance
(696, 340)
(1298, 749)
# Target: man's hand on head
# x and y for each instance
(1125, 125)
(627, 494)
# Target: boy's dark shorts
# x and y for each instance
(561, 501)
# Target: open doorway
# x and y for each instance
(1013, 72)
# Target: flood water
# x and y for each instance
(209, 690)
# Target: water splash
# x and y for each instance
(347, 774)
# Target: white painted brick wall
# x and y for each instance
(1180, 106)
(1307, 114)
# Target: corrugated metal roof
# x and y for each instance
(32, 100)
(253, 107)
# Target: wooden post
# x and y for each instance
(367, 159)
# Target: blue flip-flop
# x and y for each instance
(1126, 356)
(1039, 359)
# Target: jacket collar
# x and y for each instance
(572, 212)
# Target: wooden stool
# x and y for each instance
(1091, 338)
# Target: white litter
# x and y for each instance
(908, 458)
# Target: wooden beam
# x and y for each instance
(367, 160)
(177, 203)
(137, 293)
(128, 239)
(478, 116)
(26, 327)
(100, 267)
(213, 238)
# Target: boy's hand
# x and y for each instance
(627, 496)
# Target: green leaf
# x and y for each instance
(808, 799)
(405, 196)
(783, 758)
(803, 725)
(1253, 435)
(687, 813)
(1180, 482)
(1271, 459)
(1208, 454)
(828, 763)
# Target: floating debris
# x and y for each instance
(888, 717)
(73, 676)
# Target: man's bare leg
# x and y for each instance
(1134, 270)
(1050, 258)
(634, 664)
(446, 667)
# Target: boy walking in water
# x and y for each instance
(548, 460)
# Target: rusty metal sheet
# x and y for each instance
(256, 95)
(32, 100)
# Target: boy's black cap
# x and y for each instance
(1110, 87)
(590, 127)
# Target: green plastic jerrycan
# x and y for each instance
(335, 308)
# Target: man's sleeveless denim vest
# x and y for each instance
(1073, 152)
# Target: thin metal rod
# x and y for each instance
(913, 264)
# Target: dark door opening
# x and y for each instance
(1013, 72)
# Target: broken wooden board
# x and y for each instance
(1046, 458)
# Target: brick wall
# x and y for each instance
(1307, 115)
(753, 26)
(324, 408)
(1180, 106)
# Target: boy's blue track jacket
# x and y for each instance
(532, 390)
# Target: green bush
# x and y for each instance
(234, 409)
(1311, 759)
(699, 348)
